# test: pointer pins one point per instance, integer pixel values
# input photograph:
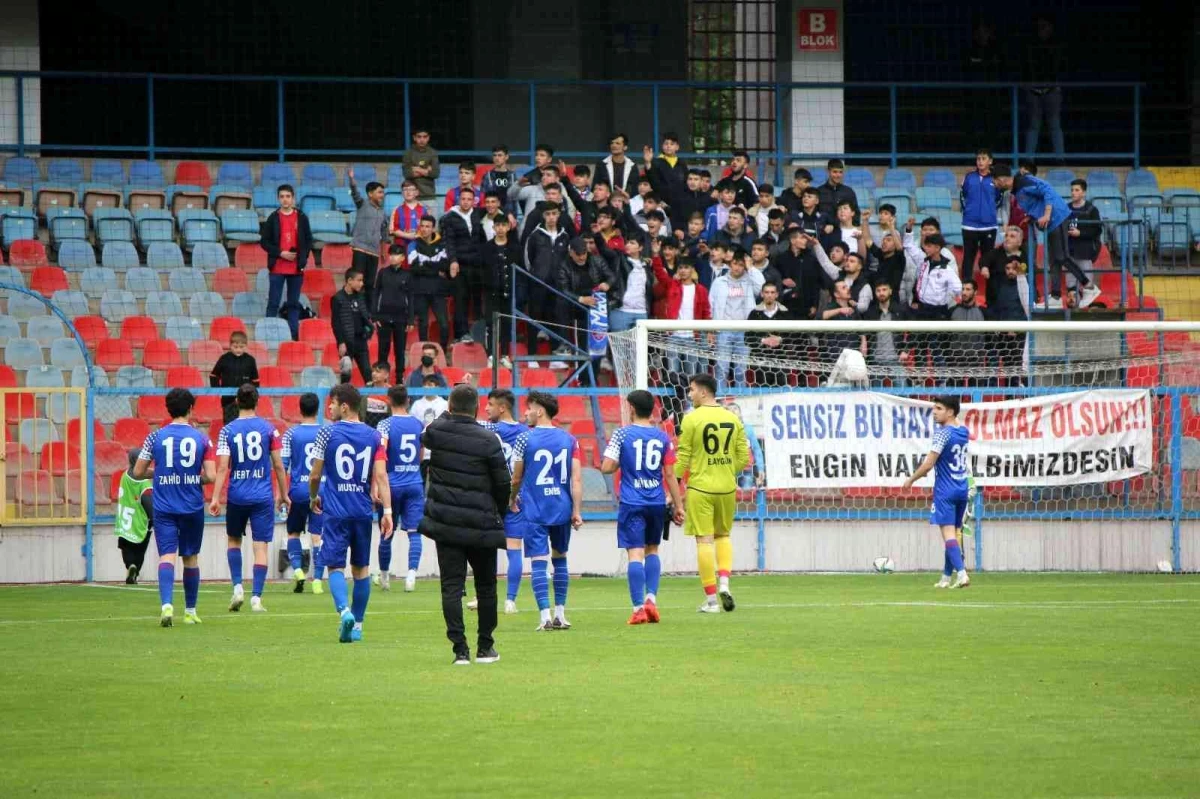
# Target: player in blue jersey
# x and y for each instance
(350, 457)
(500, 405)
(299, 443)
(549, 495)
(951, 468)
(646, 457)
(248, 458)
(400, 435)
(183, 463)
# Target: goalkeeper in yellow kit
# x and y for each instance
(712, 451)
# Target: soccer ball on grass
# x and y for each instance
(884, 565)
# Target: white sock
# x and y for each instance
(412, 573)
(723, 582)
(651, 598)
(358, 626)
(560, 612)
(189, 610)
(962, 572)
(545, 614)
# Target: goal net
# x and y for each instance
(1069, 420)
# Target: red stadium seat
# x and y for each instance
(114, 485)
(610, 409)
(131, 433)
(193, 173)
(266, 407)
(223, 327)
(249, 258)
(316, 332)
(138, 331)
(26, 254)
(538, 378)
(16, 406)
(46, 280)
(208, 409)
(76, 424)
(295, 355)
(204, 354)
(161, 356)
(583, 427)
(318, 284)
(290, 409)
(151, 406)
(589, 451)
(114, 353)
(571, 408)
(274, 377)
(37, 488)
(329, 356)
(485, 378)
(18, 458)
(185, 377)
(472, 357)
(111, 456)
(336, 258)
(229, 281)
(59, 456)
(92, 329)
(454, 375)
(258, 351)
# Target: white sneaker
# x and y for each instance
(505, 362)
(410, 582)
(375, 579)
(385, 581)
(239, 596)
(961, 580)
(532, 365)
(942, 583)
(510, 607)
(256, 604)
(467, 339)
(1088, 295)
(542, 336)
(473, 604)
(558, 365)
(1053, 303)
(491, 362)
(606, 365)
(709, 607)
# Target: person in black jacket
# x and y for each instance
(499, 255)
(393, 307)
(617, 170)
(579, 275)
(351, 324)
(668, 172)
(287, 239)
(692, 200)
(545, 249)
(1083, 235)
(833, 192)
(431, 270)
(466, 497)
(458, 232)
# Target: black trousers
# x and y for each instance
(134, 554)
(452, 563)
(544, 306)
(369, 264)
(493, 304)
(976, 243)
(361, 356)
(393, 332)
(468, 298)
(422, 304)
(1060, 258)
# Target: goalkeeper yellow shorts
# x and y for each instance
(709, 514)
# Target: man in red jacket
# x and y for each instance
(685, 299)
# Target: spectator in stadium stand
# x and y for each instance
(581, 180)
(833, 191)
(232, 370)
(407, 216)
(545, 249)
(980, 201)
(499, 179)
(693, 236)
(735, 231)
(967, 349)
(760, 262)
(633, 289)
(769, 346)
(370, 232)
(887, 261)
(1083, 235)
(489, 210)
(421, 164)
(666, 259)
(884, 349)
(429, 406)
(813, 221)
(352, 327)
(637, 202)
(717, 216)
(554, 197)
(667, 172)
(651, 204)
(499, 254)
(1044, 65)
(937, 286)
(1036, 196)
(466, 180)
(528, 195)
(731, 299)
(466, 271)
(427, 369)
(800, 276)
(607, 231)
(1016, 216)
(543, 156)
(840, 264)
(684, 299)
(691, 200)
(579, 275)
(792, 199)
(776, 235)
(717, 261)
(848, 231)
(1008, 301)
(393, 307)
(656, 229)
(429, 264)
(931, 225)
(706, 184)
(620, 172)
(588, 206)
(758, 214)
(376, 407)
(841, 309)
(623, 219)
(744, 187)
(287, 240)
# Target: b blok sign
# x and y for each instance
(817, 29)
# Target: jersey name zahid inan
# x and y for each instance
(249, 443)
(644, 453)
(547, 453)
(349, 450)
(299, 444)
(953, 464)
(178, 452)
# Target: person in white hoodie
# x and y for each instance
(731, 298)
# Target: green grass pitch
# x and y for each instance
(1066, 685)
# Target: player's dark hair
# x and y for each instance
(811, 190)
(247, 397)
(770, 283)
(891, 209)
(398, 396)
(582, 171)
(545, 401)
(949, 402)
(1028, 164)
(382, 366)
(932, 221)
(544, 148)
(835, 163)
(505, 396)
(936, 238)
(845, 203)
(346, 394)
(466, 190)
(352, 272)
(464, 400)
(1080, 182)
(180, 402)
(642, 403)
(467, 166)
(309, 404)
(704, 381)
(285, 187)
(500, 148)
(373, 185)
(971, 282)
(134, 454)
(1001, 171)
(741, 154)
(431, 380)
(983, 151)
(396, 249)
(802, 173)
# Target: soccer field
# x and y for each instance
(870, 685)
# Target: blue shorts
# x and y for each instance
(179, 532)
(408, 506)
(948, 511)
(541, 538)
(640, 525)
(514, 526)
(339, 535)
(301, 516)
(261, 518)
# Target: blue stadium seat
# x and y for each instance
(17, 224)
(934, 198)
(11, 276)
(147, 174)
(46, 376)
(819, 175)
(164, 255)
(208, 256)
(272, 175)
(65, 353)
(66, 224)
(236, 173)
(134, 377)
(320, 175)
(1148, 208)
(22, 172)
(23, 353)
(71, 302)
(272, 331)
(1060, 175)
(207, 306)
(154, 224)
(1141, 178)
(33, 433)
(116, 304)
(363, 174)
(108, 409)
(952, 227)
(262, 282)
(941, 179)
(196, 225)
(43, 328)
(113, 224)
(900, 179)
(859, 176)
(240, 226)
(162, 304)
(1143, 191)
(1110, 206)
(76, 255)
(65, 171)
(316, 198)
(329, 227)
(119, 255)
(142, 280)
(265, 200)
(95, 280)
(318, 377)
(1173, 238)
(109, 172)
(186, 282)
(247, 305)
(10, 328)
(79, 377)
(392, 199)
(183, 330)
(55, 211)
(1176, 197)
(345, 202)
(1103, 181)
(395, 177)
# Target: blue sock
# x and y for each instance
(295, 553)
(385, 554)
(637, 583)
(955, 554)
(541, 584)
(318, 563)
(362, 593)
(561, 580)
(337, 589)
(166, 582)
(235, 565)
(653, 572)
(414, 551)
(515, 566)
(946, 571)
(260, 579)
(191, 587)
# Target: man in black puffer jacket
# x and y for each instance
(467, 492)
(579, 275)
(458, 232)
